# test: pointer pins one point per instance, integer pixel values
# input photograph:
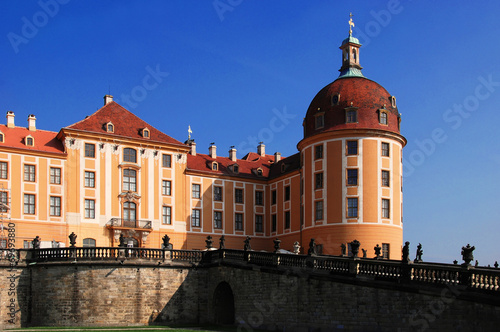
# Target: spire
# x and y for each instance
(350, 55)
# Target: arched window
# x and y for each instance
(129, 211)
(129, 180)
(110, 128)
(30, 141)
(129, 155)
(88, 242)
(354, 54)
(383, 118)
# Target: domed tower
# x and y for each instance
(351, 163)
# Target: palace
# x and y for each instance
(113, 174)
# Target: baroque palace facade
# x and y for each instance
(113, 174)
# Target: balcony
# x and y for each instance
(124, 223)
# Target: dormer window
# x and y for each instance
(145, 133)
(2, 137)
(335, 99)
(236, 168)
(351, 115)
(283, 168)
(215, 166)
(110, 128)
(259, 171)
(382, 117)
(393, 101)
(29, 141)
(319, 120)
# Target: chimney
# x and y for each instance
(232, 153)
(31, 122)
(193, 148)
(212, 151)
(277, 157)
(108, 99)
(261, 149)
(10, 120)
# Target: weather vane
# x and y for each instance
(351, 24)
(189, 132)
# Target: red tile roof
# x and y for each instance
(125, 123)
(45, 141)
(247, 166)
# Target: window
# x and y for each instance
(386, 208)
(4, 201)
(385, 178)
(89, 179)
(217, 219)
(385, 149)
(129, 155)
(129, 211)
(2, 136)
(393, 101)
(319, 210)
(352, 147)
(166, 188)
(167, 160)
(287, 219)
(287, 193)
(196, 190)
(238, 221)
(27, 244)
(195, 218)
(89, 209)
(258, 223)
(382, 117)
(215, 166)
(259, 198)
(385, 250)
(352, 177)
(352, 207)
(88, 242)
(351, 116)
(129, 180)
(145, 133)
(167, 215)
(319, 121)
(273, 197)
(29, 204)
(29, 173)
(259, 171)
(29, 141)
(335, 99)
(55, 206)
(236, 169)
(110, 127)
(238, 195)
(55, 175)
(217, 193)
(273, 223)
(3, 170)
(319, 180)
(89, 150)
(318, 152)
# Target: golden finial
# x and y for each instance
(351, 24)
(189, 132)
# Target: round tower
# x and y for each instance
(351, 164)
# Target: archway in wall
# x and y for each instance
(223, 304)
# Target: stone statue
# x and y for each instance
(296, 247)
(364, 252)
(222, 242)
(312, 248)
(277, 243)
(209, 242)
(247, 247)
(467, 255)
(72, 239)
(343, 249)
(406, 252)
(420, 252)
(355, 248)
(166, 241)
(36, 242)
(377, 249)
(496, 265)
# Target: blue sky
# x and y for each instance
(232, 68)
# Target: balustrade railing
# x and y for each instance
(120, 222)
(485, 279)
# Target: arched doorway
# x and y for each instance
(223, 304)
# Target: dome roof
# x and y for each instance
(368, 98)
